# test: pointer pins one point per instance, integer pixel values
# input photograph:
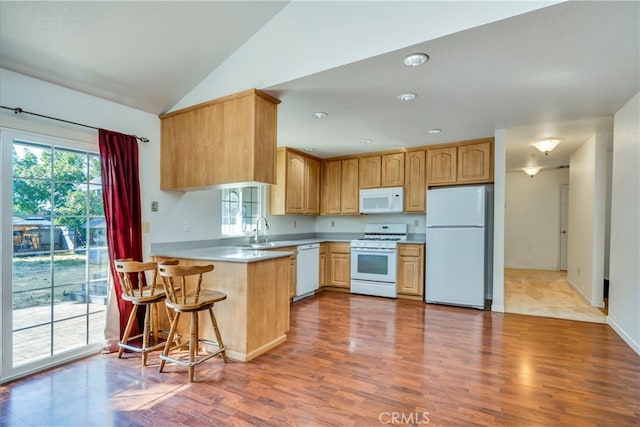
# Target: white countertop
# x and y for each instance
(246, 253)
(224, 253)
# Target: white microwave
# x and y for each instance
(381, 200)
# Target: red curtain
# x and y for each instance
(121, 198)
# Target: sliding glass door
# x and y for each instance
(54, 287)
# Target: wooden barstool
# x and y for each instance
(141, 292)
(183, 287)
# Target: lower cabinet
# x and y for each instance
(293, 260)
(339, 264)
(323, 265)
(411, 270)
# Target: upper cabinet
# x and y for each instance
(475, 163)
(370, 171)
(467, 162)
(297, 188)
(385, 170)
(339, 187)
(349, 192)
(330, 187)
(224, 141)
(415, 183)
(393, 170)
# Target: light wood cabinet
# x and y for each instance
(415, 185)
(441, 165)
(294, 174)
(223, 141)
(370, 171)
(330, 188)
(349, 191)
(297, 188)
(475, 163)
(340, 193)
(339, 264)
(381, 171)
(465, 163)
(323, 265)
(393, 170)
(292, 272)
(312, 186)
(411, 269)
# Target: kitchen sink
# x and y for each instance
(261, 245)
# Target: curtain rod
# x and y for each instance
(19, 110)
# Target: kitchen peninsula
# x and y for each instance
(255, 316)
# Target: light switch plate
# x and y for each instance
(154, 206)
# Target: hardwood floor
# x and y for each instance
(353, 360)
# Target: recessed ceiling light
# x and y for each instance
(415, 59)
(407, 96)
(434, 130)
(366, 141)
(319, 115)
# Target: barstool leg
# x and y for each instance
(218, 336)
(154, 321)
(167, 347)
(170, 315)
(193, 344)
(146, 332)
(127, 331)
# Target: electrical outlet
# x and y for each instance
(154, 206)
(146, 227)
(578, 271)
(295, 223)
(416, 223)
(333, 223)
(187, 227)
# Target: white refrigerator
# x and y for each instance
(459, 236)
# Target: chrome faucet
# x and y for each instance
(266, 227)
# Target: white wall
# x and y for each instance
(624, 271)
(587, 200)
(499, 186)
(17, 90)
(532, 219)
(355, 223)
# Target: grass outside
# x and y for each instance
(32, 277)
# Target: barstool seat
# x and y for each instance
(183, 289)
(138, 289)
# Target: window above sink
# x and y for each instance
(241, 207)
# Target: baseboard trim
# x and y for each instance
(591, 302)
(625, 337)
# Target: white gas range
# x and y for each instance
(374, 260)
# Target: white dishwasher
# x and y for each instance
(307, 270)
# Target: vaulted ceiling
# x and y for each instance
(551, 70)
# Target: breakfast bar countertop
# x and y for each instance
(223, 253)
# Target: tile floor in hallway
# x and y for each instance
(548, 294)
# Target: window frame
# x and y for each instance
(248, 228)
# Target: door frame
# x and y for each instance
(563, 228)
(7, 371)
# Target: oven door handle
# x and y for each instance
(372, 250)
